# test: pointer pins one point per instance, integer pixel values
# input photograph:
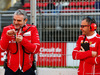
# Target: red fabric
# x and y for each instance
(66, 10)
(42, 4)
(85, 3)
(54, 3)
(73, 9)
(72, 4)
(39, 4)
(79, 3)
(80, 9)
(26, 5)
(27, 10)
(30, 42)
(92, 3)
(88, 64)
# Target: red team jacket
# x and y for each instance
(16, 52)
(88, 65)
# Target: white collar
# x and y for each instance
(90, 37)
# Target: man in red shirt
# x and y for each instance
(87, 48)
(21, 41)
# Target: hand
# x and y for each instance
(11, 32)
(19, 38)
(82, 49)
(94, 53)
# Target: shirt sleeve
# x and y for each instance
(34, 45)
(4, 40)
(95, 60)
(80, 55)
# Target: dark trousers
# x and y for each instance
(8, 71)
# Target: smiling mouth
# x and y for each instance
(17, 26)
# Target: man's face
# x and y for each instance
(18, 21)
(85, 28)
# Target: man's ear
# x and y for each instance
(26, 21)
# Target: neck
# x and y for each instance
(90, 33)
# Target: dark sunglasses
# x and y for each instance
(82, 26)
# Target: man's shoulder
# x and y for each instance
(31, 25)
(81, 36)
(8, 27)
(98, 36)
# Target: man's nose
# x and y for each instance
(80, 28)
(16, 22)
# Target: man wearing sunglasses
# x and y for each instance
(87, 48)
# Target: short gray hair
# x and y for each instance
(90, 20)
(21, 12)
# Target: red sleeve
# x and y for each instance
(95, 60)
(4, 40)
(34, 45)
(80, 55)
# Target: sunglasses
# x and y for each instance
(82, 26)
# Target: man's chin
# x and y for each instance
(83, 33)
(17, 27)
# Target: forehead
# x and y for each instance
(18, 17)
(84, 22)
